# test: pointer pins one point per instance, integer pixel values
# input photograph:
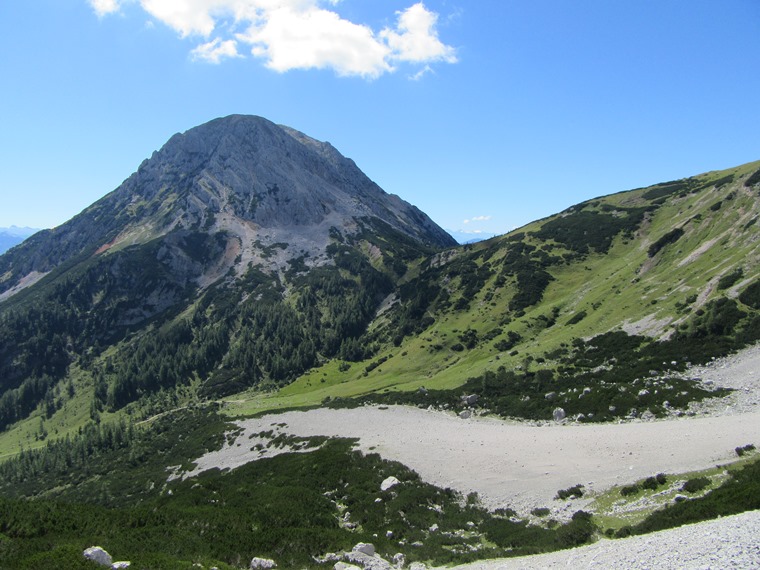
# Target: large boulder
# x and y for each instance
(470, 400)
(389, 483)
(364, 555)
(558, 414)
(98, 555)
(365, 548)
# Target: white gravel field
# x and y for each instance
(522, 466)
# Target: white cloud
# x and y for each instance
(104, 7)
(316, 38)
(299, 34)
(477, 219)
(415, 38)
(215, 50)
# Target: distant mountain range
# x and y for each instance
(464, 237)
(14, 235)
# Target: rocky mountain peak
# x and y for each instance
(274, 193)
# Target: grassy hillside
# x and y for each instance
(664, 262)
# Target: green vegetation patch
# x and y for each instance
(108, 486)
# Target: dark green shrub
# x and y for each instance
(753, 179)
(751, 295)
(629, 490)
(671, 237)
(575, 492)
(695, 485)
(740, 451)
(727, 280)
(576, 318)
(540, 512)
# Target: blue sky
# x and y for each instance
(486, 114)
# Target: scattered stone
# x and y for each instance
(550, 396)
(262, 563)
(365, 548)
(558, 414)
(470, 400)
(465, 414)
(417, 566)
(399, 560)
(364, 555)
(98, 555)
(643, 393)
(388, 483)
(422, 390)
(434, 528)
(120, 565)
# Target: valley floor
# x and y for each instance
(522, 466)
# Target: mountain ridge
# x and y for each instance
(239, 174)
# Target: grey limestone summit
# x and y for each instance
(274, 193)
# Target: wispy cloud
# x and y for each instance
(299, 34)
(215, 51)
(104, 7)
(476, 219)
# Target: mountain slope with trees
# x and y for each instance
(246, 267)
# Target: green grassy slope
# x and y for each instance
(639, 283)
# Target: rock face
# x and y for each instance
(257, 183)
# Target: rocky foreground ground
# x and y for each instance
(522, 466)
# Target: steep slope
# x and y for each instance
(273, 247)
(657, 275)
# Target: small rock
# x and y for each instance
(365, 548)
(465, 414)
(643, 393)
(262, 563)
(550, 395)
(120, 565)
(470, 400)
(558, 414)
(98, 555)
(417, 566)
(434, 528)
(399, 560)
(388, 483)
